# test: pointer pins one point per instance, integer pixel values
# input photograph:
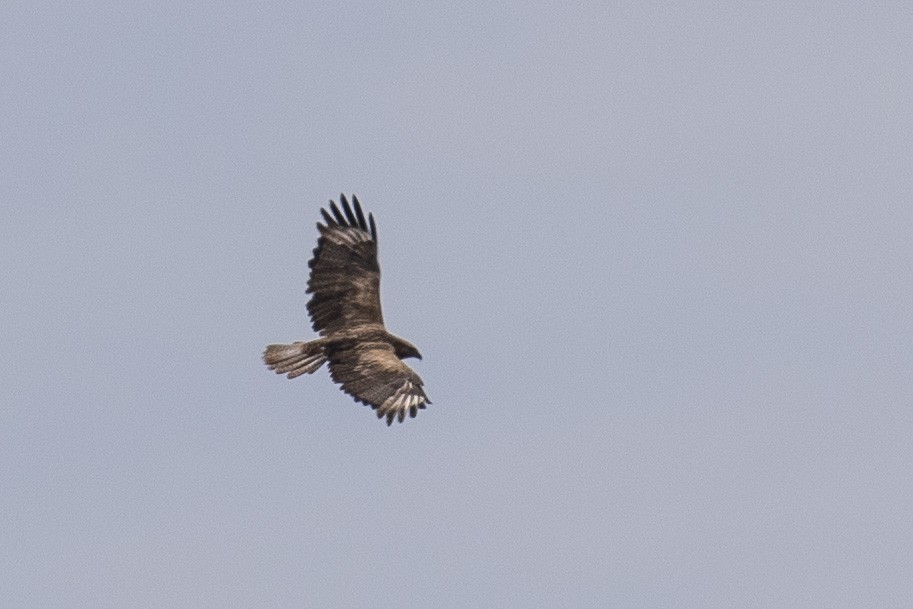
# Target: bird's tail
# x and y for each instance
(295, 359)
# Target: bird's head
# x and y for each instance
(405, 349)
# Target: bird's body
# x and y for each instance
(344, 308)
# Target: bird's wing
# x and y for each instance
(372, 374)
(345, 276)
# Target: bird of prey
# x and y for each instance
(364, 359)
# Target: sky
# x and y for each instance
(656, 256)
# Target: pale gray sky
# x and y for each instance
(657, 257)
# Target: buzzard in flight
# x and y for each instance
(364, 359)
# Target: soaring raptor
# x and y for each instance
(364, 359)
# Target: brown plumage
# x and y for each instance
(344, 308)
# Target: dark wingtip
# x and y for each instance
(359, 214)
(337, 214)
(348, 217)
(346, 208)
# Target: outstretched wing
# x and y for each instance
(372, 374)
(345, 275)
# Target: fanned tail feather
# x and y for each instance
(295, 359)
